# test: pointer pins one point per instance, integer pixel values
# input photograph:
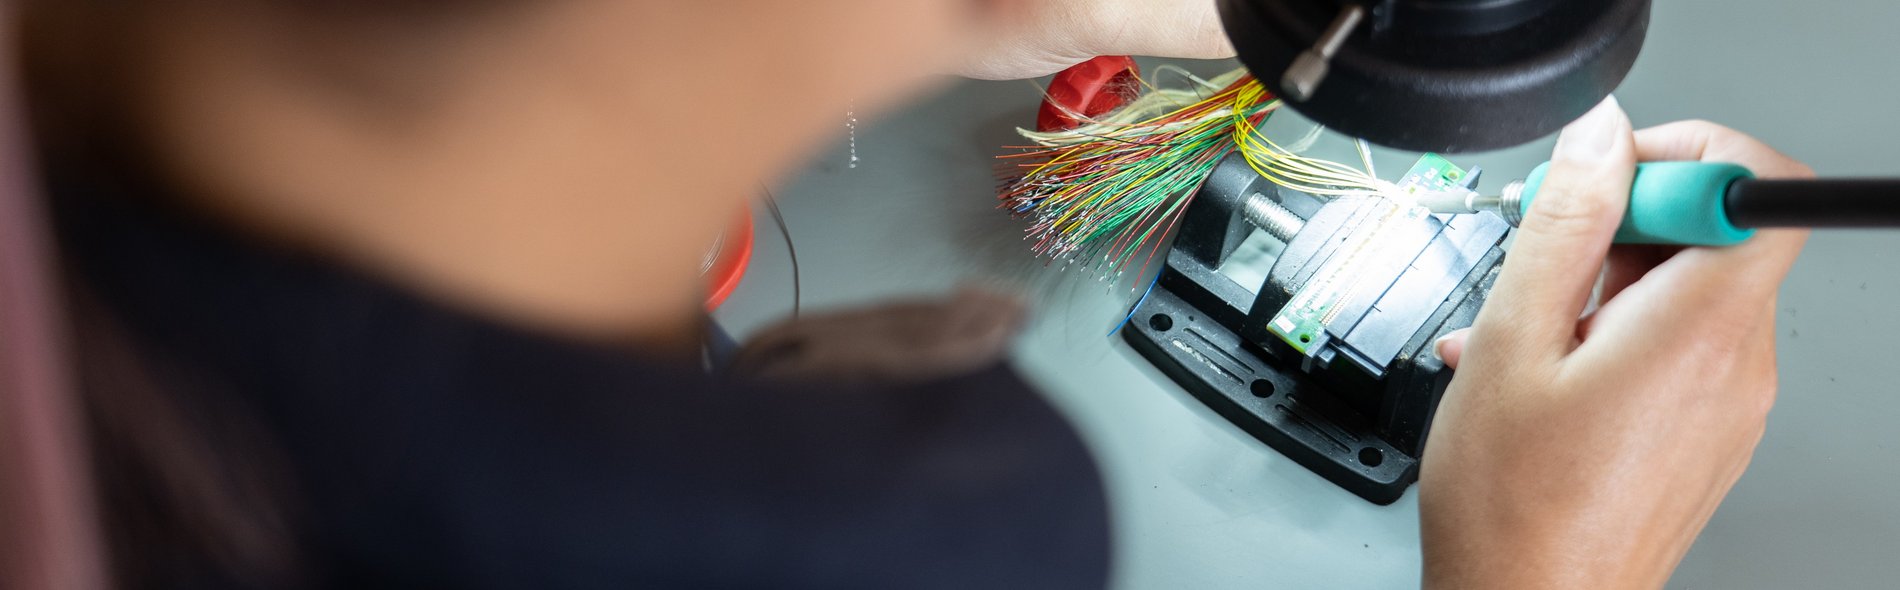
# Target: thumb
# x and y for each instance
(1565, 236)
(1450, 348)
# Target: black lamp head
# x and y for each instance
(1439, 75)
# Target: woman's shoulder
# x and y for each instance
(429, 444)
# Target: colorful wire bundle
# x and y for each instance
(1104, 192)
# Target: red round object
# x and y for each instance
(735, 254)
(1090, 88)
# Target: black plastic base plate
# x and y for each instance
(1277, 404)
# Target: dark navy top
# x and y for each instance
(427, 447)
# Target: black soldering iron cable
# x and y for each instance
(1822, 203)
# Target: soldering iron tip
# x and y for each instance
(1447, 201)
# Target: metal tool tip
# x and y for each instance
(1302, 78)
(1446, 201)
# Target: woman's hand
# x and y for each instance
(1039, 37)
(1589, 453)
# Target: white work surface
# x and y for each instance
(1199, 504)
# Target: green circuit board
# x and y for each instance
(1432, 173)
(1302, 322)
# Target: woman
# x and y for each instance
(405, 294)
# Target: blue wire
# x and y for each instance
(1138, 302)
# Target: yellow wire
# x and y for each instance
(1285, 168)
(1269, 159)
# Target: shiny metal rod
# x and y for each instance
(1302, 78)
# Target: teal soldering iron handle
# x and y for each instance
(1680, 203)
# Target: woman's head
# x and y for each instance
(741, 81)
(554, 163)
(584, 149)
(414, 137)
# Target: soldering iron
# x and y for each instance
(1328, 358)
(1460, 75)
(1704, 203)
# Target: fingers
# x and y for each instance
(1041, 37)
(1450, 348)
(1765, 259)
(1164, 28)
(1744, 273)
(1548, 277)
(1702, 141)
(1627, 264)
(1710, 299)
(1736, 277)
(1771, 252)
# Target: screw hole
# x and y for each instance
(1371, 457)
(1306, 338)
(1261, 388)
(1161, 322)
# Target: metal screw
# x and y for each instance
(1276, 220)
(1302, 78)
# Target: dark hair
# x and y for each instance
(108, 471)
(48, 532)
(108, 475)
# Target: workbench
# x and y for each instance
(1199, 504)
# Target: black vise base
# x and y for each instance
(1282, 407)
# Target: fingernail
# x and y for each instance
(1590, 138)
(1438, 347)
